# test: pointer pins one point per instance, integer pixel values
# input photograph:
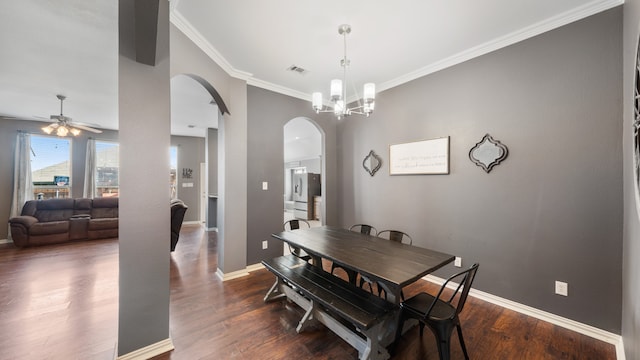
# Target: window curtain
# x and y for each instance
(22, 183)
(90, 170)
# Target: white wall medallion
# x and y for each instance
(372, 163)
(488, 153)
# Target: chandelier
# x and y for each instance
(339, 90)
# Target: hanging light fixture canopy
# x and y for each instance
(339, 90)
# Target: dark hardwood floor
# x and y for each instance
(61, 302)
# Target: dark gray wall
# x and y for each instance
(552, 210)
(631, 263)
(191, 152)
(267, 113)
(212, 160)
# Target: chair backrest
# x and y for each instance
(396, 235)
(465, 279)
(364, 229)
(295, 224)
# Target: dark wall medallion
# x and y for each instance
(488, 153)
(372, 163)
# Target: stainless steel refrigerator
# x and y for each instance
(305, 187)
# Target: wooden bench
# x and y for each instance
(332, 301)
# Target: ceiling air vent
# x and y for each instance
(297, 69)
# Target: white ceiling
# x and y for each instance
(70, 47)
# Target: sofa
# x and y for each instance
(53, 221)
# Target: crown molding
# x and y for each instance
(183, 25)
(279, 89)
(506, 40)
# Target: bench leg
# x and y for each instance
(308, 320)
(274, 293)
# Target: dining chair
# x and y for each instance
(396, 235)
(295, 224)
(440, 315)
(393, 235)
(363, 229)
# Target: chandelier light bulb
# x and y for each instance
(62, 131)
(336, 89)
(317, 101)
(369, 92)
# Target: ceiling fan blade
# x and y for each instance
(54, 125)
(87, 128)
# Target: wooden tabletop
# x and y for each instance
(391, 262)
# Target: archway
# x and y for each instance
(195, 113)
(304, 171)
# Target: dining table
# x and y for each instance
(393, 265)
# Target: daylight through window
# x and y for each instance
(50, 166)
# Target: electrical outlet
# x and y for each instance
(265, 185)
(457, 262)
(265, 244)
(562, 288)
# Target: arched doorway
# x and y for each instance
(196, 109)
(304, 172)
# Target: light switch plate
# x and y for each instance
(457, 262)
(265, 185)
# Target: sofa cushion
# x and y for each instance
(104, 208)
(101, 224)
(51, 227)
(82, 206)
(54, 210)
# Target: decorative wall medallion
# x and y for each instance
(372, 163)
(488, 153)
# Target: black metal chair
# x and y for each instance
(396, 235)
(296, 224)
(363, 229)
(393, 235)
(440, 315)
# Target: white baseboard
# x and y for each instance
(255, 267)
(239, 273)
(232, 275)
(573, 325)
(148, 352)
(5, 241)
(196, 222)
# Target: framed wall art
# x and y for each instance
(426, 157)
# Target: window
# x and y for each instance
(173, 178)
(107, 169)
(50, 166)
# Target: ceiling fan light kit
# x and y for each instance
(339, 90)
(62, 124)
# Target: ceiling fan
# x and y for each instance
(63, 124)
